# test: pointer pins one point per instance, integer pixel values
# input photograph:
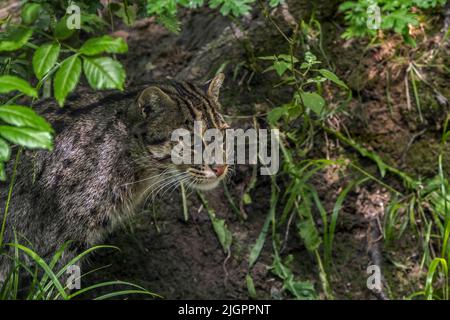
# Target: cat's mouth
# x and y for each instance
(206, 185)
(208, 178)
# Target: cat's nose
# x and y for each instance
(219, 169)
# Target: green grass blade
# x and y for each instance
(44, 266)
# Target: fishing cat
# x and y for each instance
(110, 154)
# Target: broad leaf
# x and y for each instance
(98, 45)
(61, 31)
(127, 13)
(15, 39)
(13, 83)
(2, 172)
(104, 73)
(276, 113)
(5, 150)
(21, 116)
(45, 58)
(66, 78)
(220, 228)
(287, 58)
(30, 12)
(27, 137)
(281, 67)
(332, 77)
(223, 234)
(313, 101)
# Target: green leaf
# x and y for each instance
(43, 266)
(281, 67)
(275, 114)
(257, 247)
(247, 199)
(235, 7)
(309, 234)
(126, 13)
(104, 73)
(302, 290)
(374, 156)
(30, 12)
(313, 101)
(250, 286)
(347, 5)
(223, 234)
(15, 38)
(279, 269)
(310, 58)
(45, 58)
(5, 151)
(98, 45)
(332, 77)
(27, 137)
(2, 172)
(274, 3)
(13, 83)
(287, 58)
(66, 78)
(21, 116)
(409, 40)
(170, 22)
(61, 31)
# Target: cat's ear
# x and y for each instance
(153, 100)
(214, 86)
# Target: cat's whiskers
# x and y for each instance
(164, 172)
(192, 183)
(159, 185)
(176, 183)
(157, 182)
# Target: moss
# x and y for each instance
(422, 158)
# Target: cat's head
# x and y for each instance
(162, 108)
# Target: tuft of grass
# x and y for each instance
(46, 282)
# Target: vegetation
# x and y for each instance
(40, 57)
(36, 52)
(397, 16)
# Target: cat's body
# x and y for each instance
(110, 152)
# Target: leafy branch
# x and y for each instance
(20, 124)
